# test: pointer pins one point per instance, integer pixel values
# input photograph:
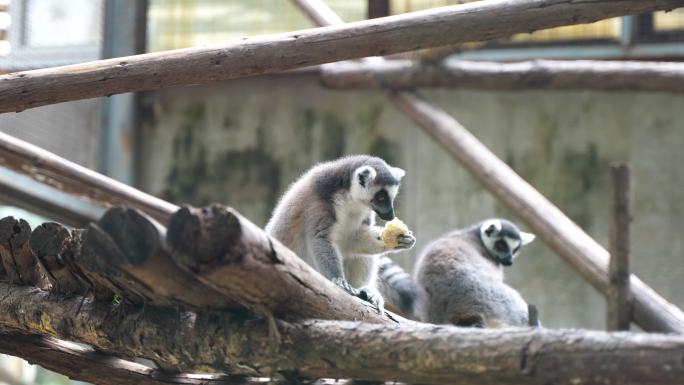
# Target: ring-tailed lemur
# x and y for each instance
(462, 276)
(328, 218)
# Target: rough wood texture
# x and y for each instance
(586, 256)
(83, 364)
(492, 76)
(475, 21)
(18, 262)
(145, 259)
(55, 171)
(50, 244)
(236, 258)
(619, 309)
(583, 253)
(428, 354)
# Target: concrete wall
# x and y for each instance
(242, 142)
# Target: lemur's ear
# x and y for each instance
(398, 172)
(491, 226)
(526, 238)
(365, 175)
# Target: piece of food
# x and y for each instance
(393, 229)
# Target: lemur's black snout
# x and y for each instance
(386, 215)
(507, 260)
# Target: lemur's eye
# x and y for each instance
(380, 197)
(501, 246)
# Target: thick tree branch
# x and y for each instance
(18, 262)
(492, 76)
(84, 364)
(417, 353)
(233, 256)
(475, 21)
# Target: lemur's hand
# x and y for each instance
(341, 282)
(373, 296)
(405, 241)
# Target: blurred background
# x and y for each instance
(242, 142)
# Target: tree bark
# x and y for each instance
(18, 262)
(142, 255)
(584, 254)
(493, 76)
(233, 256)
(417, 353)
(475, 21)
(83, 364)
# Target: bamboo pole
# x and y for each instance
(476, 21)
(578, 249)
(597, 75)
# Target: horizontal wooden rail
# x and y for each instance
(413, 353)
(491, 76)
(477, 21)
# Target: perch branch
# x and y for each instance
(475, 21)
(492, 76)
(84, 364)
(417, 353)
(236, 258)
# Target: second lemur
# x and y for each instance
(461, 276)
(328, 218)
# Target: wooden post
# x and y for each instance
(618, 299)
(378, 8)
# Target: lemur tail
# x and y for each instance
(397, 287)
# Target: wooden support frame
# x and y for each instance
(494, 76)
(578, 249)
(475, 21)
(619, 302)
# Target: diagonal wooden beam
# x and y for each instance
(477, 21)
(651, 311)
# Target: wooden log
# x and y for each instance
(50, 244)
(619, 304)
(475, 21)
(233, 256)
(78, 181)
(19, 264)
(417, 353)
(146, 259)
(579, 250)
(83, 364)
(493, 76)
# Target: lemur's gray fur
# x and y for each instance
(398, 287)
(328, 218)
(461, 274)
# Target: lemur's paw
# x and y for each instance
(373, 296)
(405, 241)
(341, 282)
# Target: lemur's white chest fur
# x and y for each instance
(349, 217)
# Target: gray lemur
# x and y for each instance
(327, 217)
(461, 274)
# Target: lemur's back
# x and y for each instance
(464, 287)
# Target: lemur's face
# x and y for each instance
(377, 189)
(503, 240)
